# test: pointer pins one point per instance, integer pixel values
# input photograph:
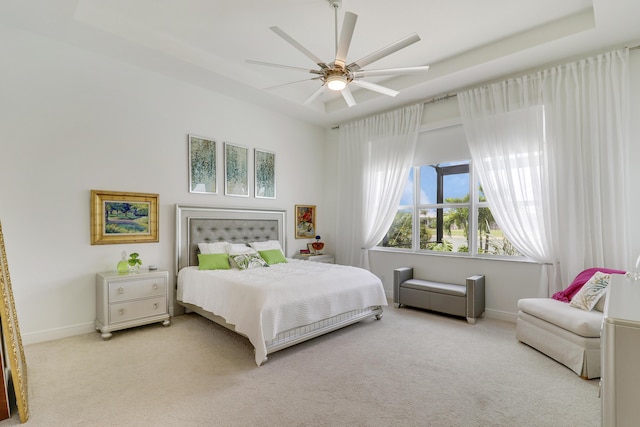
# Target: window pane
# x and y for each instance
(444, 230)
(481, 196)
(407, 194)
(428, 185)
(456, 188)
(428, 228)
(491, 240)
(456, 228)
(400, 235)
(455, 183)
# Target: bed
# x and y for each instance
(277, 306)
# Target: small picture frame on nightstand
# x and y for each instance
(310, 248)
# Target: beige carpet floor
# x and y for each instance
(412, 368)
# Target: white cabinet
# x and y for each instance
(328, 258)
(131, 299)
(620, 376)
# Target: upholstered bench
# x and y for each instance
(459, 300)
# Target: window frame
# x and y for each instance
(473, 206)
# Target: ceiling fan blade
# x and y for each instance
(348, 96)
(298, 46)
(390, 71)
(348, 26)
(385, 51)
(374, 87)
(289, 67)
(291, 83)
(314, 95)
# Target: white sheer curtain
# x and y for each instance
(375, 155)
(550, 152)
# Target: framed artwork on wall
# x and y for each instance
(119, 217)
(265, 174)
(202, 165)
(305, 221)
(236, 170)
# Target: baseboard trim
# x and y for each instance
(501, 315)
(58, 333)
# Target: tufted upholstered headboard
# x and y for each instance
(196, 224)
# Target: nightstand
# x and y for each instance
(328, 258)
(125, 300)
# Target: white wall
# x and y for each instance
(506, 281)
(72, 121)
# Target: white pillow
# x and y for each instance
(213, 248)
(266, 246)
(239, 248)
(591, 292)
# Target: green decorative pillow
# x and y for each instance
(247, 261)
(213, 261)
(273, 256)
(589, 295)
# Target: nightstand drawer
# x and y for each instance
(133, 289)
(125, 311)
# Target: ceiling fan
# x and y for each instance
(338, 75)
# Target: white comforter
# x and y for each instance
(263, 302)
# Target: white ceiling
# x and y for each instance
(206, 42)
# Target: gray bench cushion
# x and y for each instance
(440, 288)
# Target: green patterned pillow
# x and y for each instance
(591, 292)
(247, 261)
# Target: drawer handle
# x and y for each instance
(121, 311)
(121, 290)
(156, 305)
(155, 286)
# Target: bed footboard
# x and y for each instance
(303, 333)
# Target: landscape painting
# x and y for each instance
(119, 217)
(126, 218)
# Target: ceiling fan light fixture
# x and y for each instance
(336, 82)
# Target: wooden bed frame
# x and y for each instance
(196, 224)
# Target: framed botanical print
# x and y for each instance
(265, 174)
(236, 170)
(202, 165)
(305, 221)
(119, 217)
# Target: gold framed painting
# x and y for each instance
(119, 217)
(305, 221)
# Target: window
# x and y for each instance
(438, 210)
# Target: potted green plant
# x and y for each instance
(134, 262)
